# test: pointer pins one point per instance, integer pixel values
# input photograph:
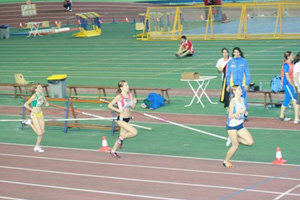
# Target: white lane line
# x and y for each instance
(145, 180)
(86, 190)
(149, 167)
(287, 192)
(10, 198)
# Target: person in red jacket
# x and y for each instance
(185, 49)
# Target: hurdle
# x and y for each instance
(69, 107)
(63, 119)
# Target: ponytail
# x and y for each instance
(32, 88)
(286, 55)
(120, 84)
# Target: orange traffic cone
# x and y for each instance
(21, 25)
(278, 160)
(126, 20)
(55, 23)
(105, 147)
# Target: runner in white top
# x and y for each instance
(238, 109)
(297, 86)
(235, 125)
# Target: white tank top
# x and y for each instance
(124, 102)
(238, 106)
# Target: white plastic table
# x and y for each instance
(202, 83)
(34, 28)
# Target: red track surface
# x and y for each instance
(83, 174)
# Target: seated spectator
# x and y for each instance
(68, 5)
(185, 48)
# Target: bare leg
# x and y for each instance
(282, 111)
(127, 131)
(42, 124)
(296, 110)
(235, 144)
(117, 141)
(245, 137)
(32, 125)
(38, 130)
(186, 53)
(179, 51)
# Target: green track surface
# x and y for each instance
(116, 55)
(74, 1)
(167, 140)
(113, 56)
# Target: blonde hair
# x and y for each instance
(33, 87)
(233, 88)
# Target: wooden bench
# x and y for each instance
(102, 90)
(267, 97)
(20, 87)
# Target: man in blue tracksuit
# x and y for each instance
(238, 72)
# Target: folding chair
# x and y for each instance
(19, 79)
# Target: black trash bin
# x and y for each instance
(4, 31)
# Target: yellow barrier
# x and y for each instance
(269, 20)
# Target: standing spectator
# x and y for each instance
(222, 68)
(185, 49)
(68, 5)
(288, 85)
(238, 73)
(297, 86)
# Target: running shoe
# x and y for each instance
(38, 149)
(297, 121)
(284, 119)
(26, 122)
(227, 164)
(228, 142)
(114, 154)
